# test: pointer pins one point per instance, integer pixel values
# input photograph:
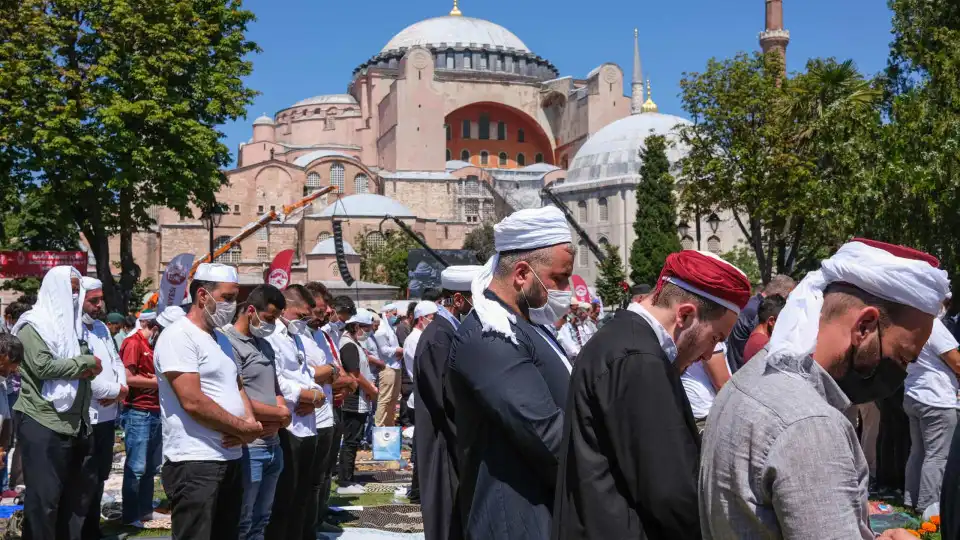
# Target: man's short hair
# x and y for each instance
(780, 284)
(839, 298)
(671, 295)
(640, 289)
(770, 306)
(29, 299)
(319, 289)
(198, 284)
(129, 321)
(16, 309)
(344, 303)
(431, 294)
(447, 294)
(410, 307)
(534, 257)
(298, 295)
(11, 347)
(264, 296)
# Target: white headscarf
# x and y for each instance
(905, 281)
(522, 230)
(56, 318)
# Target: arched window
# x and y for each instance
(498, 62)
(686, 242)
(361, 184)
(471, 186)
(521, 136)
(484, 62)
(484, 157)
(521, 159)
(376, 241)
(582, 254)
(713, 245)
(603, 241)
(582, 211)
(262, 254)
(313, 182)
(325, 235)
(538, 158)
(465, 133)
(464, 155)
(468, 60)
(336, 177)
(501, 131)
(503, 159)
(604, 209)
(484, 127)
(451, 59)
(231, 256)
(449, 154)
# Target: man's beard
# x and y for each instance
(689, 342)
(533, 297)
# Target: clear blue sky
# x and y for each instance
(311, 47)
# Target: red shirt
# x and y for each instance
(757, 341)
(137, 356)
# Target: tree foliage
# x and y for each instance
(743, 258)
(386, 264)
(611, 277)
(481, 240)
(113, 107)
(656, 220)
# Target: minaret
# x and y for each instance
(775, 37)
(636, 88)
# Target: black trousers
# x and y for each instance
(97, 463)
(321, 476)
(205, 498)
(353, 427)
(324, 499)
(60, 483)
(294, 513)
(893, 442)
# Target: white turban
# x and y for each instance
(879, 272)
(91, 284)
(424, 308)
(170, 315)
(459, 278)
(522, 230)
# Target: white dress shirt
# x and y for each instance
(107, 384)
(387, 345)
(294, 375)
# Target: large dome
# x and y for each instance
(451, 30)
(614, 151)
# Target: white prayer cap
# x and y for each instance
(375, 317)
(389, 307)
(220, 273)
(521, 230)
(895, 273)
(424, 308)
(91, 284)
(459, 278)
(170, 315)
(362, 317)
(147, 315)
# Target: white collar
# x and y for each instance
(666, 341)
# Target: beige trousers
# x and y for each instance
(389, 387)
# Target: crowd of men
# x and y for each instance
(697, 410)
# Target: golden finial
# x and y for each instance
(455, 12)
(649, 106)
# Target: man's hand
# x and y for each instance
(248, 431)
(124, 392)
(303, 409)
(98, 368)
(399, 353)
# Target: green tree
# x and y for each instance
(743, 258)
(481, 240)
(140, 289)
(656, 220)
(611, 277)
(113, 108)
(387, 263)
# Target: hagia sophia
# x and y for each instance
(453, 123)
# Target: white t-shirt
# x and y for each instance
(184, 348)
(107, 384)
(316, 357)
(409, 357)
(294, 375)
(699, 388)
(571, 339)
(930, 380)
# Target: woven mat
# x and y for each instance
(386, 476)
(404, 518)
(391, 487)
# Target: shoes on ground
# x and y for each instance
(354, 489)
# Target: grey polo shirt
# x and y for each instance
(780, 459)
(255, 362)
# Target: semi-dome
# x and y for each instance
(453, 29)
(327, 247)
(614, 151)
(366, 205)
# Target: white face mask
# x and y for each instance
(87, 319)
(297, 328)
(222, 312)
(558, 304)
(361, 335)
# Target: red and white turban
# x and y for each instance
(707, 276)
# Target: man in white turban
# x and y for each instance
(109, 389)
(510, 377)
(780, 458)
(53, 409)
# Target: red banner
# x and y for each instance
(15, 264)
(279, 273)
(579, 287)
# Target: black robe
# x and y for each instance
(950, 493)
(509, 425)
(436, 434)
(631, 448)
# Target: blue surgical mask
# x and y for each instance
(394, 320)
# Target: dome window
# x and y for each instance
(336, 177)
(361, 184)
(468, 60)
(451, 59)
(604, 210)
(582, 214)
(484, 62)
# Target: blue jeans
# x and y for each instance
(144, 444)
(261, 467)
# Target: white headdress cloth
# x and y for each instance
(905, 281)
(56, 318)
(522, 230)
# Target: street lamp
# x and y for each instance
(683, 228)
(211, 217)
(714, 222)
